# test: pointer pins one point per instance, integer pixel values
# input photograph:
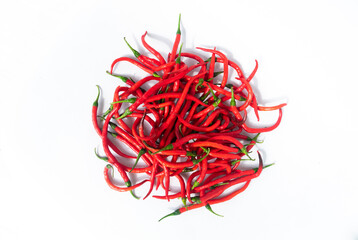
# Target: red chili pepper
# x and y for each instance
(185, 123)
(126, 59)
(176, 42)
(148, 62)
(152, 50)
(119, 189)
(267, 129)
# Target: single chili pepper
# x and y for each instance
(94, 113)
(189, 186)
(119, 189)
(126, 59)
(267, 129)
(230, 196)
(181, 210)
(167, 182)
(233, 175)
(176, 42)
(148, 62)
(207, 206)
(261, 108)
(152, 179)
(212, 65)
(152, 50)
(141, 152)
(176, 67)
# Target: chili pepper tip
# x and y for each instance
(124, 79)
(207, 151)
(183, 199)
(217, 102)
(232, 102)
(112, 125)
(109, 166)
(200, 83)
(168, 147)
(126, 113)
(196, 199)
(131, 191)
(141, 152)
(177, 61)
(191, 154)
(255, 169)
(196, 183)
(207, 206)
(102, 158)
(135, 52)
(218, 73)
(255, 138)
(176, 212)
(212, 92)
(128, 100)
(95, 103)
(178, 31)
(156, 75)
(259, 169)
(115, 135)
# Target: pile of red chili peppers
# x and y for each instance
(190, 126)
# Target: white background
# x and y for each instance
(53, 53)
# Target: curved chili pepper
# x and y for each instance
(267, 129)
(148, 62)
(119, 189)
(152, 50)
(135, 63)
